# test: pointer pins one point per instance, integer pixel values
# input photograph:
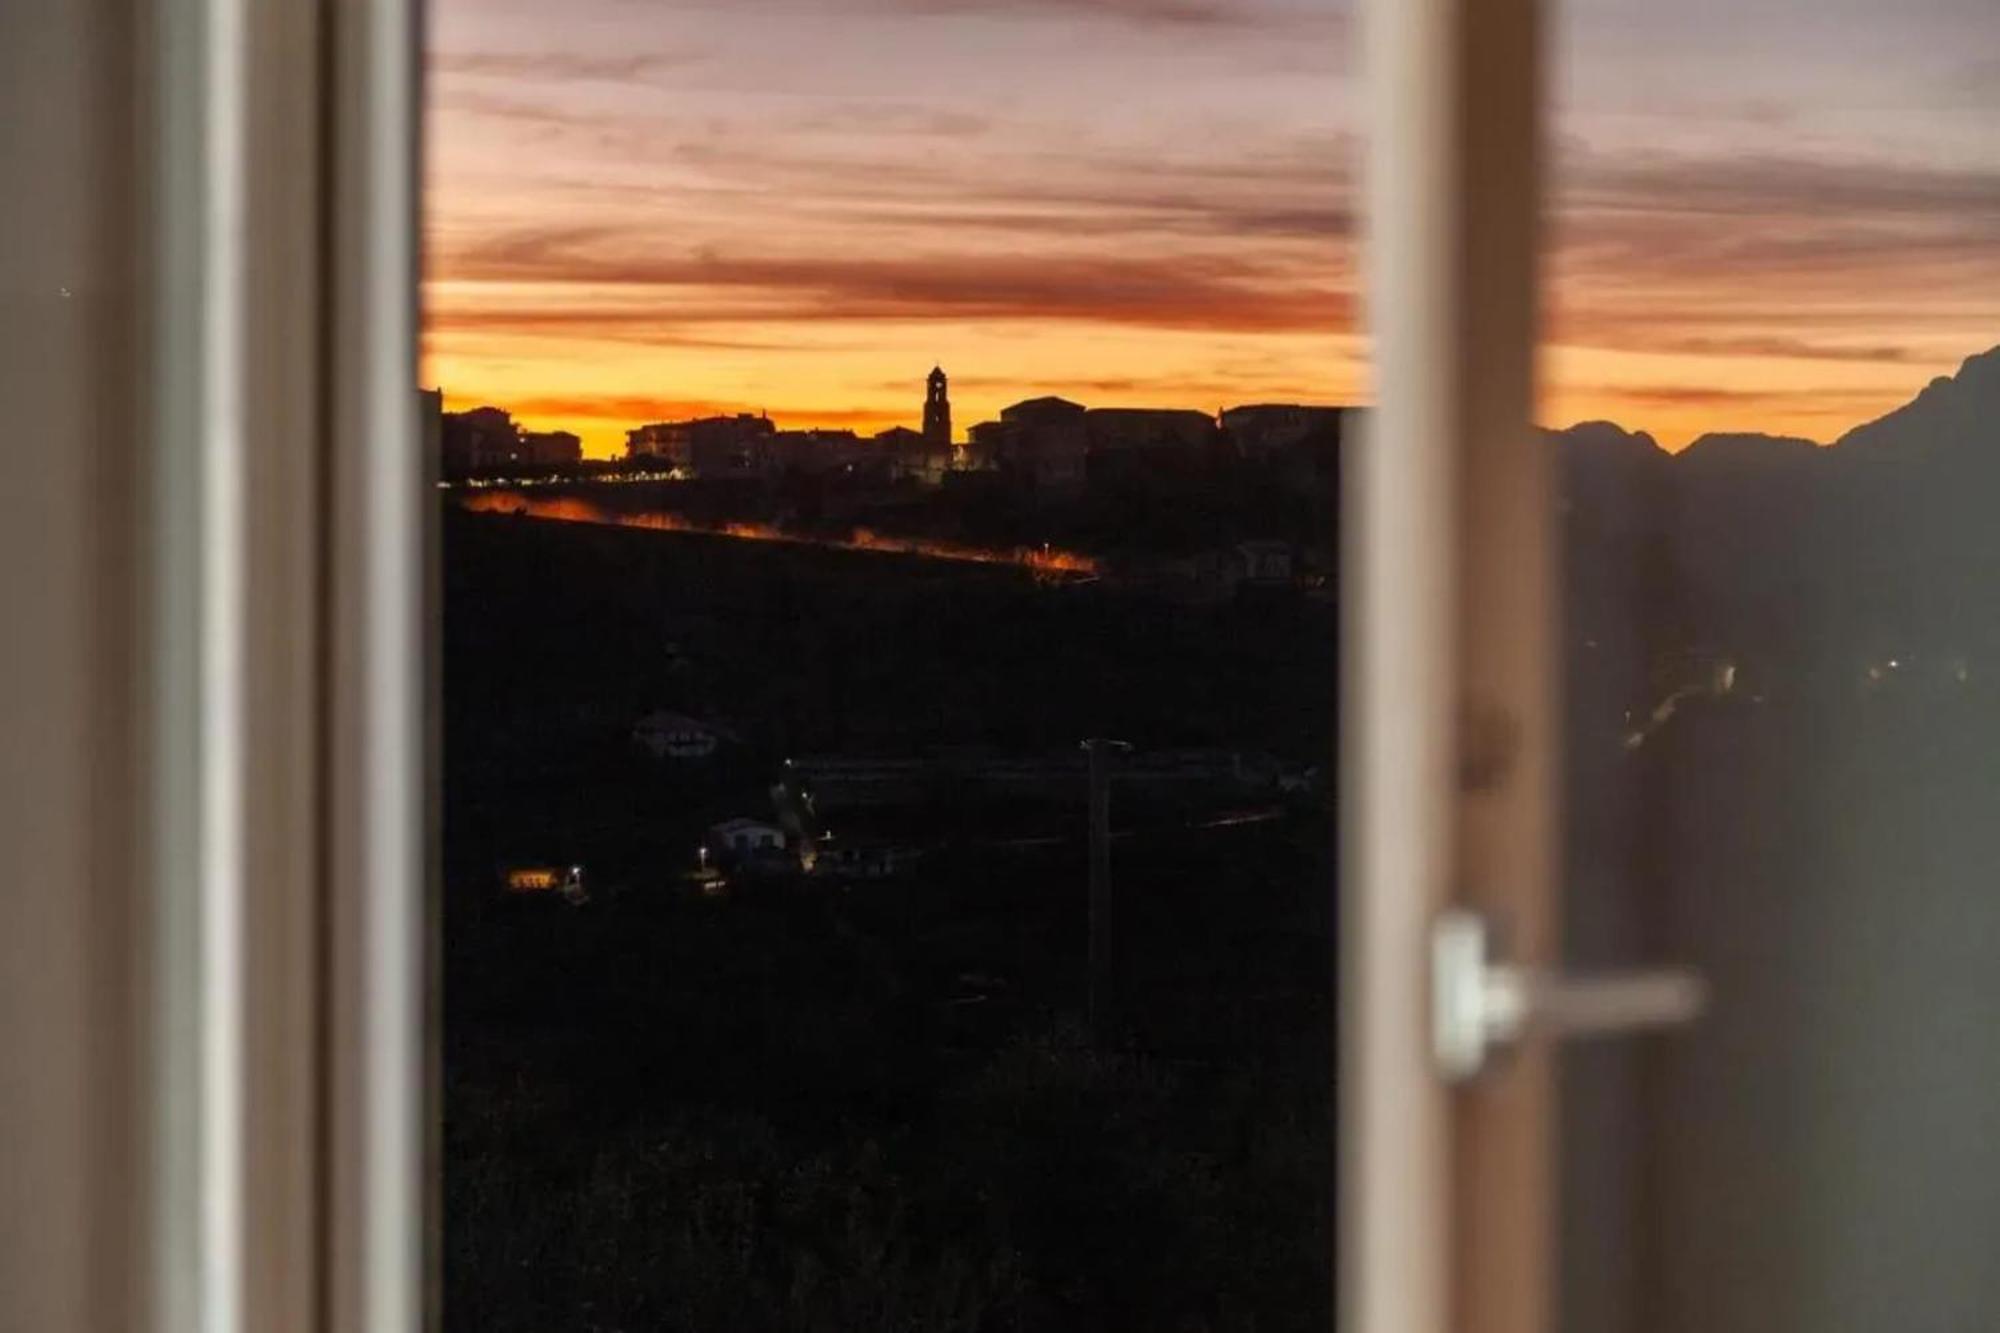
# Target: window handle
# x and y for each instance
(1479, 1005)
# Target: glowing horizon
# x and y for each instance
(1785, 221)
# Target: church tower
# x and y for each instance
(937, 410)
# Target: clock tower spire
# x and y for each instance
(937, 409)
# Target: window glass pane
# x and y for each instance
(890, 458)
(1776, 290)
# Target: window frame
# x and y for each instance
(1446, 1209)
(280, 956)
(285, 615)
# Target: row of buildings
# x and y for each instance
(1055, 444)
(487, 439)
(1059, 445)
(1050, 443)
(751, 446)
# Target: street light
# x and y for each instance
(1101, 969)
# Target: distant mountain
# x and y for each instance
(1611, 478)
(1783, 549)
(1609, 436)
(1749, 450)
(1956, 412)
(1953, 413)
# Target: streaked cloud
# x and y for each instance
(1198, 292)
(1787, 349)
(1172, 13)
(1169, 14)
(545, 66)
(1755, 223)
(644, 327)
(1851, 202)
(638, 409)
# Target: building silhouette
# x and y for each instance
(480, 440)
(1268, 430)
(430, 427)
(914, 455)
(551, 448)
(937, 410)
(712, 447)
(1041, 441)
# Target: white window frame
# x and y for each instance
(1448, 721)
(216, 761)
(245, 718)
(288, 647)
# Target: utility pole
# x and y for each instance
(1103, 985)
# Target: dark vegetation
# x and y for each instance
(875, 1107)
(804, 1107)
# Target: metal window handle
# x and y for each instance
(1478, 1004)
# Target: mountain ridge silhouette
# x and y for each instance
(1808, 558)
(1950, 406)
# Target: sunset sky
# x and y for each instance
(1777, 215)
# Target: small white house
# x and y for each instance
(1265, 561)
(666, 735)
(744, 838)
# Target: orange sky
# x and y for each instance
(1783, 216)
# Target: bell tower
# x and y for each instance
(937, 409)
